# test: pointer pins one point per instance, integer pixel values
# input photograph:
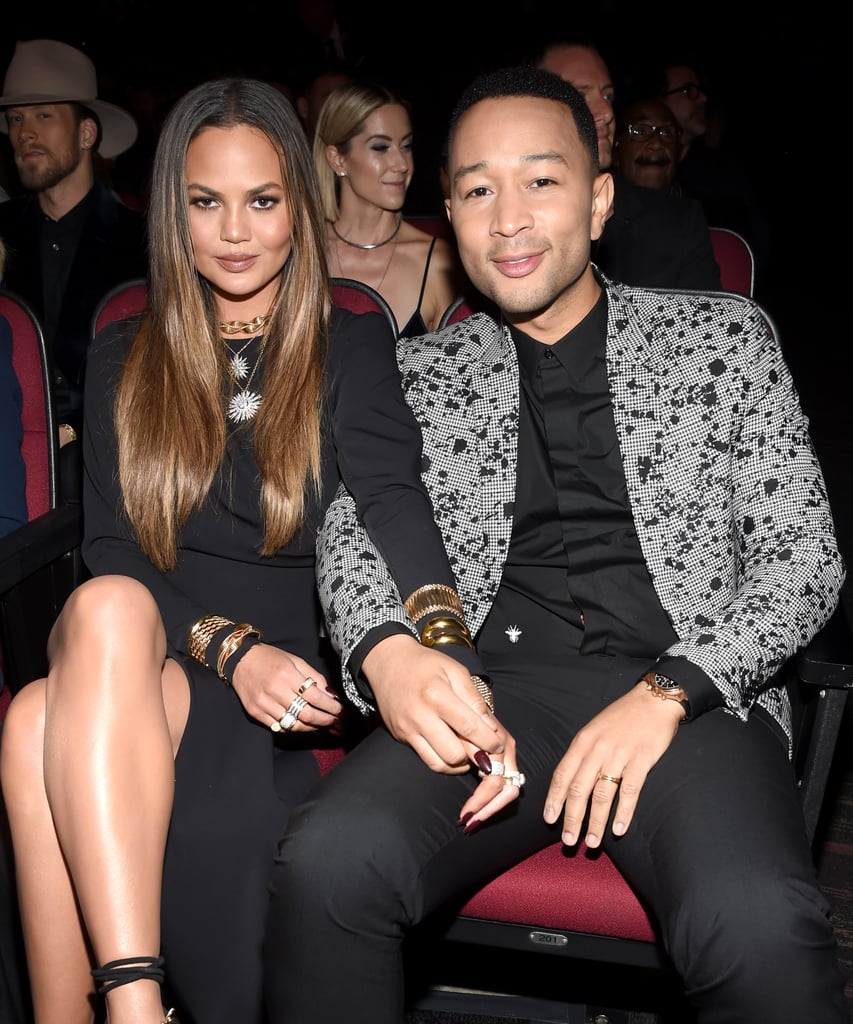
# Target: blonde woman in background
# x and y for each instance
(363, 156)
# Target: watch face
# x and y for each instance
(665, 683)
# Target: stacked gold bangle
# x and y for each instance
(232, 643)
(434, 597)
(442, 630)
(203, 632)
(447, 625)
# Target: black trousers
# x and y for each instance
(717, 848)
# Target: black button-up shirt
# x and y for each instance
(575, 580)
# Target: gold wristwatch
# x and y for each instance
(667, 689)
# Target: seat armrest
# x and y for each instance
(827, 661)
(38, 543)
(821, 683)
(40, 564)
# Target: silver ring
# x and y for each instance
(497, 770)
(291, 716)
(516, 779)
(287, 721)
(309, 682)
(296, 706)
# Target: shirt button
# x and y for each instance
(55, 246)
(549, 354)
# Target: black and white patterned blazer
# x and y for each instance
(727, 494)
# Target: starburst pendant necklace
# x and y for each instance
(239, 363)
(244, 404)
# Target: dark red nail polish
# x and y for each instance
(472, 826)
(466, 817)
(483, 761)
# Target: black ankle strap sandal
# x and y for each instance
(130, 969)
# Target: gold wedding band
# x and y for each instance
(617, 779)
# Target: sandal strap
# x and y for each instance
(130, 969)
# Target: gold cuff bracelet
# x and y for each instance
(445, 630)
(202, 633)
(232, 643)
(434, 597)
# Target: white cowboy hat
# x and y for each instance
(46, 71)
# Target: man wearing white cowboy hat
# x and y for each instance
(69, 238)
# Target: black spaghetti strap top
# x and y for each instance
(416, 324)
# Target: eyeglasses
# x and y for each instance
(643, 131)
(692, 91)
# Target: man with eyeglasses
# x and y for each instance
(651, 239)
(685, 96)
(648, 139)
(708, 170)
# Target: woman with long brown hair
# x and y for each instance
(148, 777)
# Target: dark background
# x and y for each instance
(774, 76)
(768, 71)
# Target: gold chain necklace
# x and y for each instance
(238, 326)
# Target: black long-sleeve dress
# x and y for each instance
(236, 781)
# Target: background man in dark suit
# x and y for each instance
(651, 239)
(69, 238)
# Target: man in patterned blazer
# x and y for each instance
(641, 538)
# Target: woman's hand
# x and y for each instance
(428, 700)
(268, 681)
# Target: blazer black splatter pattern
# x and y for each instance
(726, 491)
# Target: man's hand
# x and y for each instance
(428, 701)
(609, 759)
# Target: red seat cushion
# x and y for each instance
(27, 362)
(567, 890)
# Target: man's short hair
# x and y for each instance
(522, 81)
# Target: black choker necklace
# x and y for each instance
(372, 245)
